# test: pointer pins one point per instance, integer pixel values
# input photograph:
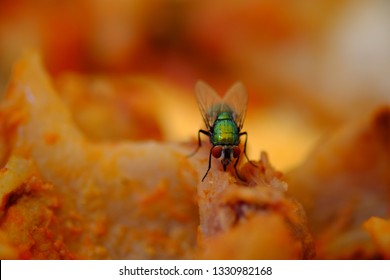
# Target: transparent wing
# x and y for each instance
(236, 98)
(209, 102)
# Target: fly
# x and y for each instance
(224, 118)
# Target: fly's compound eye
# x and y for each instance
(236, 152)
(216, 151)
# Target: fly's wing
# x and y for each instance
(209, 102)
(236, 98)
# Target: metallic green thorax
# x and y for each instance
(225, 130)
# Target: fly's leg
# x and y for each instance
(235, 168)
(246, 139)
(207, 172)
(199, 145)
(199, 141)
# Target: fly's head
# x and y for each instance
(226, 154)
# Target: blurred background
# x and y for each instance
(127, 68)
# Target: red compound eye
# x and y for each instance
(236, 152)
(216, 151)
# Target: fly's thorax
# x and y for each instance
(225, 131)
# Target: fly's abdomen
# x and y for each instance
(225, 133)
